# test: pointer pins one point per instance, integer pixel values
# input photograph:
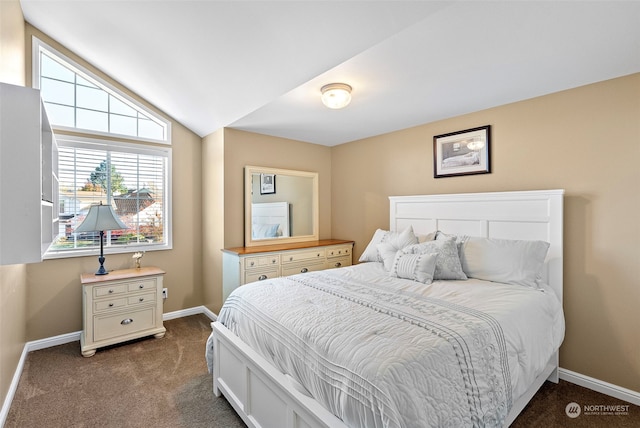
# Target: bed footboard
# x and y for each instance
(259, 393)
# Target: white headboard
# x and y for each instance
(529, 215)
(272, 213)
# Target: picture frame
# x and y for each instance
(267, 184)
(462, 153)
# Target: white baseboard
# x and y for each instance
(600, 386)
(49, 342)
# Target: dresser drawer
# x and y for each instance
(261, 275)
(303, 256)
(339, 251)
(261, 262)
(302, 268)
(336, 262)
(109, 290)
(122, 324)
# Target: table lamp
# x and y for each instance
(100, 218)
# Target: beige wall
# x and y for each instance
(225, 154)
(54, 303)
(13, 279)
(584, 140)
(213, 219)
(246, 148)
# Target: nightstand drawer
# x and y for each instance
(141, 299)
(300, 256)
(109, 290)
(109, 304)
(147, 284)
(260, 262)
(106, 327)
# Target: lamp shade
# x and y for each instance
(336, 95)
(99, 218)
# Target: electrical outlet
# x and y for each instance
(165, 293)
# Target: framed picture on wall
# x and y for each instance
(462, 152)
(267, 184)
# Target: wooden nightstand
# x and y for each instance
(123, 305)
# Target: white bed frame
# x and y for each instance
(264, 397)
(272, 213)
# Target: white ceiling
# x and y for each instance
(259, 65)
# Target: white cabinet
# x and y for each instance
(242, 265)
(28, 177)
(123, 305)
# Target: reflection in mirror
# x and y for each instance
(280, 206)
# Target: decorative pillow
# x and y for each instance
(504, 260)
(387, 252)
(458, 238)
(428, 237)
(399, 240)
(417, 267)
(264, 231)
(448, 263)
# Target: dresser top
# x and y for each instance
(283, 247)
(91, 278)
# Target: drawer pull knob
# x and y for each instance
(273, 261)
(141, 299)
(262, 277)
(141, 286)
(338, 264)
(111, 305)
(126, 321)
(252, 263)
(290, 259)
(304, 270)
(110, 291)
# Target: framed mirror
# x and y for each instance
(280, 206)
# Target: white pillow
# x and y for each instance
(417, 267)
(264, 230)
(504, 260)
(399, 240)
(428, 237)
(448, 264)
(387, 252)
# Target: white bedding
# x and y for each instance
(385, 352)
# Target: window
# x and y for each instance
(124, 172)
(76, 100)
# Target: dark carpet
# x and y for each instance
(165, 383)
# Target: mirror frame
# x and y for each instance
(249, 171)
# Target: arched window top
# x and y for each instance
(78, 100)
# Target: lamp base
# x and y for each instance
(101, 270)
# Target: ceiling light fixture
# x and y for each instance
(336, 95)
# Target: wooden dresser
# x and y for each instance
(242, 265)
(123, 305)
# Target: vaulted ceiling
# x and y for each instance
(259, 65)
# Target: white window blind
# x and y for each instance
(130, 178)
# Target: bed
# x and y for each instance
(406, 349)
(270, 220)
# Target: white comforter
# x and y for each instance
(386, 352)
